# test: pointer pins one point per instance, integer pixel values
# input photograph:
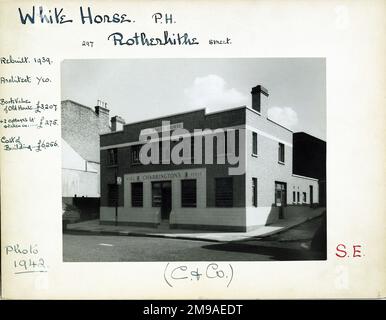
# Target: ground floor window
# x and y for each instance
(298, 197)
(189, 193)
(304, 197)
(224, 192)
(311, 195)
(294, 197)
(137, 194)
(254, 192)
(112, 195)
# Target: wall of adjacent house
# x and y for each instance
(80, 178)
(81, 127)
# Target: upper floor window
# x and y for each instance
(192, 148)
(281, 152)
(135, 154)
(232, 142)
(112, 156)
(254, 143)
(237, 142)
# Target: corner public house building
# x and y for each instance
(205, 196)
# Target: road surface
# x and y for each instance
(293, 244)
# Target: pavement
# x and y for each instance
(93, 227)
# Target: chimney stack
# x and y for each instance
(259, 96)
(117, 123)
(103, 114)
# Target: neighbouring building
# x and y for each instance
(309, 159)
(81, 128)
(205, 196)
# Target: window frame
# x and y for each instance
(132, 197)
(254, 192)
(281, 153)
(254, 144)
(112, 156)
(219, 202)
(186, 204)
(132, 151)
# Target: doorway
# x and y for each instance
(280, 197)
(311, 195)
(162, 197)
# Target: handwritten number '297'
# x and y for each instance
(88, 44)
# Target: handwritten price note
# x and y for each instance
(181, 273)
(21, 115)
(25, 259)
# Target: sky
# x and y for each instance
(141, 89)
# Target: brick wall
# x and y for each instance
(192, 120)
(81, 127)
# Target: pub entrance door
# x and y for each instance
(280, 197)
(162, 197)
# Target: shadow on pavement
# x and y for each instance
(275, 253)
(274, 249)
(319, 241)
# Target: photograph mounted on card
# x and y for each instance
(194, 163)
(181, 150)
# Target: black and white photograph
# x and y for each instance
(160, 150)
(193, 159)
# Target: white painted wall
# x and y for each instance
(79, 177)
(209, 216)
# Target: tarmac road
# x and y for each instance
(293, 244)
(121, 248)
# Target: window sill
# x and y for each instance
(281, 162)
(254, 155)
